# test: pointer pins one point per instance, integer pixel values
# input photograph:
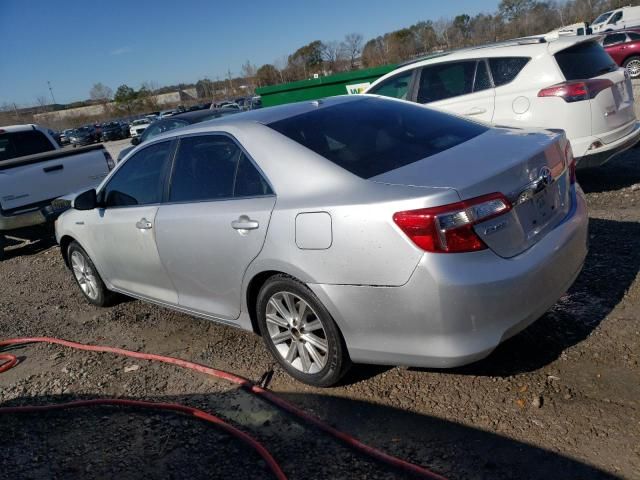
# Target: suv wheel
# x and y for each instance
(632, 64)
(87, 277)
(300, 333)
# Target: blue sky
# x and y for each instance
(75, 44)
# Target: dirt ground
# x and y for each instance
(558, 401)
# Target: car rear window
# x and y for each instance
(373, 136)
(19, 144)
(584, 60)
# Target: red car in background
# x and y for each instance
(624, 48)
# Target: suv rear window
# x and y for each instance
(372, 136)
(19, 144)
(585, 60)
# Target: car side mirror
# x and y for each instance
(86, 200)
(135, 141)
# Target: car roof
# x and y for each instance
(194, 115)
(19, 128)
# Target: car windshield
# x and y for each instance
(83, 130)
(602, 18)
(161, 126)
(139, 122)
(373, 136)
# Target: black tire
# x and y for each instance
(3, 242)
(336, 357)
(634, 62)
(102, 296)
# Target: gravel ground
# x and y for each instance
(559, 400)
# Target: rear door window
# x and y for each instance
(506, 69)
(482, 80)
(395, 87)
(445, 80)
(19, 144)
(372, 136)
(633, 36)
(614, 38)
(584, 60)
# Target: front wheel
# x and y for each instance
(300, 333)
(632, 64)
(87, 276)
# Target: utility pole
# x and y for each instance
(51, 90)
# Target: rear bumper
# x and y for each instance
(600, 156)
(32, 218)
(456, 309)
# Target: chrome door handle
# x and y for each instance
(476, 111)
(144, 224)
(244, 223)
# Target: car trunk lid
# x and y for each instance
(528, 167)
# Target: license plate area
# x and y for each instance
(536, 213)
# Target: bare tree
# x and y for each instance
(100, 92)
(332, 55)
(352, 48)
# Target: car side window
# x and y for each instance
(141, 180)
(445, 80)
(615, 18)
(211, 167)
(633, 36)
(482, 80)
(506, 69)
(614, 38)
(395, 87)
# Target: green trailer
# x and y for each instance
(339, 84)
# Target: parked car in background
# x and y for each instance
(624, 48)
(111, 131)
(138, 126)
(171, 123)
(84, 136)
(65, 136)
(34, 171)
(567, 83)
(617, 19)
(316, 223)
(124, 126)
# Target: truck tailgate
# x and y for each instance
(34, 179)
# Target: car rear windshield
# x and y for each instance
(373, 136)
(19, 144)
(585, 60)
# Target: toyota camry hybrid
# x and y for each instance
(352, 229)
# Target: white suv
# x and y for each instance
(568, 83)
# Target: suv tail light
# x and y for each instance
(110, 163)
(449, 228)
(576, 91)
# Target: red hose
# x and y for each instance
(11, 361)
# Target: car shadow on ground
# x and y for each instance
(619, 173)
(610, 268)
(128, 443)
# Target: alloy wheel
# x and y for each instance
(297, 332)
(84, 275)
(633, 67)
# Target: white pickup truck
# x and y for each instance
(34, 171)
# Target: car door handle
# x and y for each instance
(244, 223)
(476, 111)
(144, 224)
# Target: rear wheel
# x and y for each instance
(300, 333)
(632, 64)
(87, 276)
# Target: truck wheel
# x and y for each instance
(87, 276)
(300, 333)
(632, 64)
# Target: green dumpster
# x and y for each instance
(339, 84)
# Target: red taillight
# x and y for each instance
(570, 161)
(449, 228)
(576, 91)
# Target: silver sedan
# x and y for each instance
(352, 229)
